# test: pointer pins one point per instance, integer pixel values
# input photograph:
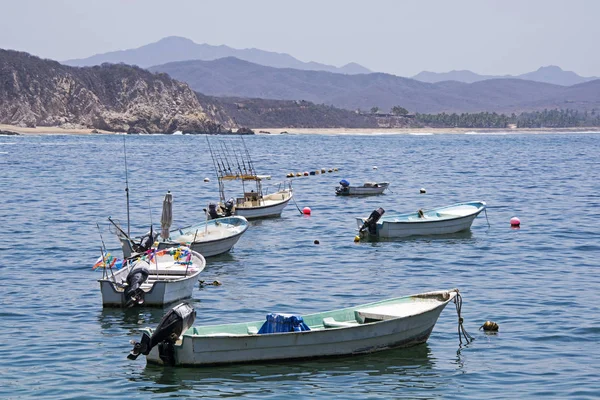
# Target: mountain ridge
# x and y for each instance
(231, 77)
(548, 74)
(175, 48)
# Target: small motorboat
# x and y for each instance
(398, 322)
(368, 188)
(436, 221)
(154, 278)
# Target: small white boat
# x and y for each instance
(437, 221)
(232, 165)
(368, 188)
(399, 322)
(209, 238)
(256, 205)
(154, 279)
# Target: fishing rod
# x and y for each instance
(224, 148)
(103, 254)
(121, 231)
(250, 163)
(126, 188)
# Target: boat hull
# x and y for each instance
(438, 221)
(410, 330)
(362, 190)
(161, 292)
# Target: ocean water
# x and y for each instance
(540, 283)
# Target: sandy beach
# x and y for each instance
(55, 130)
(41, 130)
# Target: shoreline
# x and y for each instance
(49, 130)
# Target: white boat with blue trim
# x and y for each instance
(398, 322)
(155, 278)
(436, 221)
(209, 238)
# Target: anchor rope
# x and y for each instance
(462, 332)
(300, 211)
(486, 217)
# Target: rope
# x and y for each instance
(461, 329)
(300, 211)
(486, 217)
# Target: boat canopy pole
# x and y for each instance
(126, 187)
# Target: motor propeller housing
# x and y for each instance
(371, 222)
(172, 325)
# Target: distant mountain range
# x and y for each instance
(550, 74)
(237, 78)
(175, 48)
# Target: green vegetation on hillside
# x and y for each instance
(536, 119)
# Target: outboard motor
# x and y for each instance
(138, 275)
(371, 222)
(229, 207)
(179, 319)
(343, 189)
(146, 242)
(212, 211)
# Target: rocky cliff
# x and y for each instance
(114, 97)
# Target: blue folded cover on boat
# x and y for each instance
(277, 323)
(344, 183)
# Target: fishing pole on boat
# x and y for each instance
(121, 231)
(104, 252)
(190, 257)
(126, 187)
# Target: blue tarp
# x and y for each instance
(277, 323)
(344, 183)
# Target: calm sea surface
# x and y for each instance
(540, 283)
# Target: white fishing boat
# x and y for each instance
(398, 322)
(233, 165)
(436, 221)
(156, 278)
(368, 188)
(209, 238)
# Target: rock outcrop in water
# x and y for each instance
(113, 97)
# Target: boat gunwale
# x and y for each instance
(451, 294)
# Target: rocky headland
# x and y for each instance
(111, 97)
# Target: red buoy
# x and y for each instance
(306, 211)
(515, 222)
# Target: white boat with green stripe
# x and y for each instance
(399, 322)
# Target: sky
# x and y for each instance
(401, 37)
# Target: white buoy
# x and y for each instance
(374, 166)
(206, 179)
(422, 190)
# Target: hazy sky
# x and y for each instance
(396, 36)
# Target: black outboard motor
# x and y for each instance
(146, 242)
(179, 319)
(212, 211)
(229, 207)
(133, 291)
(371, 222)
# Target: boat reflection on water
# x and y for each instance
(449, 238)
(413, 367)
(114, 321)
